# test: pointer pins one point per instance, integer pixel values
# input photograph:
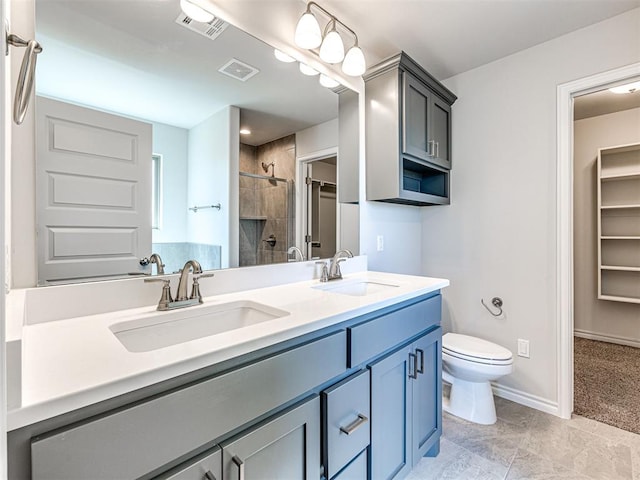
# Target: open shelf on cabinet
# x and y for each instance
(619, 223)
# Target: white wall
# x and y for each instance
(616, 321)
(171, 143)
(214, 149)
(498, 236)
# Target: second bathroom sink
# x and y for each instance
(356, 289)
(171, 328)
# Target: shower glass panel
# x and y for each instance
(267, 219)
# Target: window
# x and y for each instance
(156, 190)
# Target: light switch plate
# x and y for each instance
(523, 348)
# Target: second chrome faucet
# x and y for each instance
(332, 272)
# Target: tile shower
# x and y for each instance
(267, 201)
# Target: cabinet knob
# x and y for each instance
(209, 476)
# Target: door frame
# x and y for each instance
(301, 200)
(566, 92)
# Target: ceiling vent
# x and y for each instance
(211, 29)
(239, 70)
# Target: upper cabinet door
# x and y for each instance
(415, 121)
(440, 135)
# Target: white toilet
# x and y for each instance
(469, 364)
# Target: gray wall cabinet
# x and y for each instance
(363, 394)
(405, 385)
(408, 134)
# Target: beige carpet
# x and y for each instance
(607, 383)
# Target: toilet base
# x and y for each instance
(471, 401)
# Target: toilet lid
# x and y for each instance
(475, 349)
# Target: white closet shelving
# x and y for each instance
(619, 223)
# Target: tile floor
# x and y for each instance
(527, 444)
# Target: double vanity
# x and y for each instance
(304, 380)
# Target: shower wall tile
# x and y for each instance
(248, 158)
(248, 207)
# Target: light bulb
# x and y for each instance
(628, 88)
(332, 49)
(307, 70)
(308, 33)
(195, 12)
(328, 81)
(354, 63)
(283, 57)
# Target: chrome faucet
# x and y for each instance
(334, 268)
(181, 293)
(155, 258)
(182, 300)
(297, 252)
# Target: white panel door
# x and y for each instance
(93, 192)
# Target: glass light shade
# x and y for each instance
(328, 81)
(332, 49)
(308, 33)
(307, 70)
(195, 12)
(628, 88)
(283, 57)
(354, 63)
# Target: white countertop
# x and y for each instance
(71, 363)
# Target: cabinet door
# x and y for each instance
(415, 118)
(285, 447)
(390, 414)
(356, 470)
(440, 133)
(427, 394)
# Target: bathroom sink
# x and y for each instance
(163, 329)
(356, 289)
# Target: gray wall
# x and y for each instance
(606, 320)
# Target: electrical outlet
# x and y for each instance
(380, 243)
(523, 348)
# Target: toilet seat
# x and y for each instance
(475, 350)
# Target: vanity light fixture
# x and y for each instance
(283, 57)
(628, 88)
(195, 12)
(307, 70)
(308, 36)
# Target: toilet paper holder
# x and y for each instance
(496, 302)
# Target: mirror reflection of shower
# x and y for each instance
(267, 202)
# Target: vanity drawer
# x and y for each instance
(346, 413)
(368, 339)
(207, 466)
(135, 441)
(356, 470)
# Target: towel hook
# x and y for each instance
(26, 75)
(496, 302)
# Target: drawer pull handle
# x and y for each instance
(240, 464)
(353, 426)
(413, 361)
(208, 475)
(420, 354)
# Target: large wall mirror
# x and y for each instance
(142, 145)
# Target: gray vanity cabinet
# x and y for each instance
(286, 447)
(408, 134)
(207, 466)
(405, 385)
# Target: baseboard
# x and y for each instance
(524, 398)
(603, 337)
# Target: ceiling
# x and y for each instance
(449, 37)
(603, 102)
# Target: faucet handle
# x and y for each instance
(165, 297)
(324, 276)
(195, 289)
